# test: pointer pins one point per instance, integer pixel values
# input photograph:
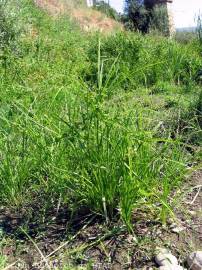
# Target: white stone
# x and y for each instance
(195, 260)
(163, 259)
(192, 212)
(177, 229)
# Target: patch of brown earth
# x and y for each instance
(189, 215)
(92, 20)
(84, 238)
(53, 7)
(88, 19)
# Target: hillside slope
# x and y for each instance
(88, 19)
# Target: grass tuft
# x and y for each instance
(95, 122)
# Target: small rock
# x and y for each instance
(132, 239)
(195, 260)
(193, 213)
(177, 229)
(157, 233)
(164, 259)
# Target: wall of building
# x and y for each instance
(168, 4)
(171, 17)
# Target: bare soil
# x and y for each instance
(86, 238)
(88, 19)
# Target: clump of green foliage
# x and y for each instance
(7, 31)
(78, 119)
(159, 20)
(137, 16)
(185, 37)
(105, 8)
(144, 17)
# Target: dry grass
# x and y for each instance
(88, 19)
(92, 20)
(53, 7)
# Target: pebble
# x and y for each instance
(193, 213)
(166, 259)
(176, 229)
(195, 260)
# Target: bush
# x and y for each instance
(107, 9)
(7, 31)
(145, 61)
(159, 20)
(137, 16)
(185, 37)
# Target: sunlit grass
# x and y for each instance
(69, 131)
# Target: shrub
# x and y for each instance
(7, 31)
(137, 16)
(159, 20)
(105, 8)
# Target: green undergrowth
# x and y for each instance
(102, 122)
(2, 262)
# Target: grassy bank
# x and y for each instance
(105, 123)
